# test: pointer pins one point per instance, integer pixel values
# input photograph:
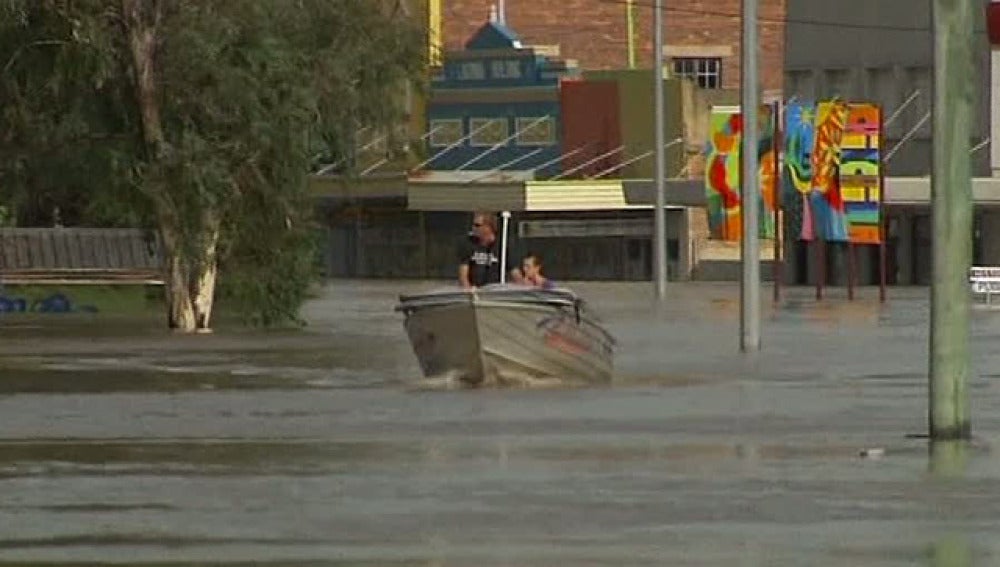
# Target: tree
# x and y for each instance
(200, 118)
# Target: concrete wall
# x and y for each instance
(880, 51)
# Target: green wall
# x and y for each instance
(636, 96)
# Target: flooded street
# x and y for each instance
(121, 444)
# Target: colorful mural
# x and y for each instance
(859, 173)
(767, 160)
(828, 214)
(831, 174)
(722, 172)
(799, 131)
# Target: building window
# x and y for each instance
(505, 69)
(706, 72)
(538, 131)
(445, 132)
(471, 71)
(487, 131)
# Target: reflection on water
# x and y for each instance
(951, 551)
(123, 445)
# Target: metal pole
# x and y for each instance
(750, 243)
(503, 247)
(625, 163)
(883, 218)
(899, 111)
(561, 157)
(906, 137)
(454, 144)
(630, 161)
(630, 31)
(590, 161)
(501, 167)
(659, 170)
(778, 143)
(951, 210)
(852, 267)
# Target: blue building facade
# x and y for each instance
(496, 103)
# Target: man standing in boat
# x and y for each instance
(479, 255)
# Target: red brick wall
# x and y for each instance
(594, 31)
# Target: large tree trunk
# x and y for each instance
(191, 276)
(189, 285)
(141, 19)
(206, 272)
(180, 310)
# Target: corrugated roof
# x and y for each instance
(105, 252)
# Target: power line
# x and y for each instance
(784, 20)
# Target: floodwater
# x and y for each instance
(121, 444)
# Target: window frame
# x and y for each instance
(706, 72)
(434, 123)
(475, 123)
(526, 120)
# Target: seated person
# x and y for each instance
(531, 273)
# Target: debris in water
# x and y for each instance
(874, 453)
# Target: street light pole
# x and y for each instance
(750, 242)
(659, 170)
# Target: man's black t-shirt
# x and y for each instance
(483, 261)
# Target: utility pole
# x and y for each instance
(750, 241)
(659, 170)
(630, 31)
(951, 209)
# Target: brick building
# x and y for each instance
(700, 36)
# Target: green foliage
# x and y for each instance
(270, 297)
(249, 93)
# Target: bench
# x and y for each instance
(985, 281)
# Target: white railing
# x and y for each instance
(985, 280)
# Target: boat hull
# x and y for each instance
(483, 338)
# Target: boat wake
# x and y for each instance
(507, 380)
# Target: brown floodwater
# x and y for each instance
(122, 444)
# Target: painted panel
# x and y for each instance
(860, 172)
(723, 190)
(827, 205)
(722, 174)
(799, 131)
(832, 171)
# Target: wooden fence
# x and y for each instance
(80, 256)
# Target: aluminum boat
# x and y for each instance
(502, 333)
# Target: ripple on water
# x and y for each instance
(325, 446)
